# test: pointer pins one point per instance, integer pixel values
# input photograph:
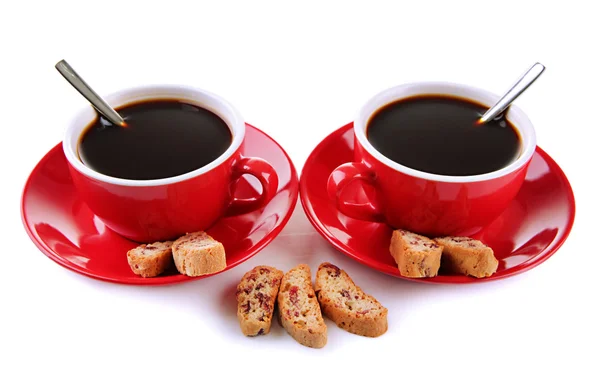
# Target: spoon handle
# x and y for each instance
(515, 91)
(82, 87)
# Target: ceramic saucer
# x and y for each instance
(66, 231)
(531, 229)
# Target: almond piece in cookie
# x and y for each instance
(417, 256)
(464, 255)
(256, 295)
(197, 254)
(150, 260)
(299, 311)
(347, 305)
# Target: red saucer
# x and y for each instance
(531, 230)
(65, 230)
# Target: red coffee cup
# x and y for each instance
(161, 209)
(422, 202)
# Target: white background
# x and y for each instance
(298, 72)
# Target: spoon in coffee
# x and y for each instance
(82, 87)
(515, 91)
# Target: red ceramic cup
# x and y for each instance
(152, 210)
(422, 202)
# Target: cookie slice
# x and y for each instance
(256, 294)
(347, 305)
(150, 260)
(417, 256)
(464, 255)
(299, 311)
(197, 254)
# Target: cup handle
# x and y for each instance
(337, 182)
(265, 173)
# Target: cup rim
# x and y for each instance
(515, 115)
(186, 93)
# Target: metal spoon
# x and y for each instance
(82, 87)
(515, 91)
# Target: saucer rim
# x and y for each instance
(294, 184)
(443, 279)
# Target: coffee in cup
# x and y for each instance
(433, 169)
(440, 134)
(162, 138)
(171, 170)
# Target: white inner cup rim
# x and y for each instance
(195, 96)
(514, 114)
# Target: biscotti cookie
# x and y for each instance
(299, 311)
(347, 305)
(417, 256)
(150, 260)
(464, 255)
(198, 254)
(256, 294)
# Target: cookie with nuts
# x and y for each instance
(256, 294)
(345, 303)
(417, 256)
(299, 311)
(464, 255)
(150, 260)
(198, 254)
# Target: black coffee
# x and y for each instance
(439, 134)
(163, 138)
